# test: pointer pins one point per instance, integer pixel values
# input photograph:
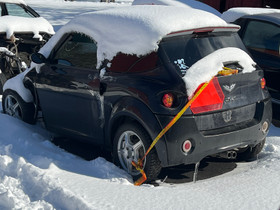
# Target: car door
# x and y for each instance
(262, 39)
(68, 89)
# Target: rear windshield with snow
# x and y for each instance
(183, 51)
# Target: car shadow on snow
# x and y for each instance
(209, 167)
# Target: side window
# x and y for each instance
(78, 50)
(132, 64)
(262, 36)
(16, 10)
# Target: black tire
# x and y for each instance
(3, 79)
(15, 106)
(251, 153)
(138, 141)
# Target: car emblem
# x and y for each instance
(227, 116)
(229, 88)
(229, 99)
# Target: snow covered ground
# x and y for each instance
(36, 174)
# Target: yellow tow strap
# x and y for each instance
(139, 164)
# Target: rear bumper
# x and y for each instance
(210, 142)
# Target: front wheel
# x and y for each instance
(130, 144)
(15, 106)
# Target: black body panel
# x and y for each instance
(91, 104)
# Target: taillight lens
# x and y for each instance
(168, 100)
(263, 83)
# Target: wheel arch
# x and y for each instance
(130, 110)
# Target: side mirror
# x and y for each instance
(38, 58)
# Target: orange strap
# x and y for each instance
(175, 119)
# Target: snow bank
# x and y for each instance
(234, 13)
(207, 67)
(134, 30)
(14, 1)
(13, 24)
(31, 168)
(180, 3)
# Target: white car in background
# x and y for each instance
(180, 3)
(22, 32)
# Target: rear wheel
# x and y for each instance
(15, 106)
(3, 79)
(251, 153)
(130, 144)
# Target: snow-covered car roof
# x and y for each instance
(181, 3)
(13, 1)
(136, 29)
(235, 13)
(14, 24)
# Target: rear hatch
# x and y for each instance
(242, 92)
(242, 105)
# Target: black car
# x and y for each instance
(124, 101)
(261, 35)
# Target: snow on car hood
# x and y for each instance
(14, 24)
(180, 3)
(207, 67)
(237, 12)
(14, 1)
(134, 30)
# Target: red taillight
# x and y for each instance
(167, 100)
(263, 83)
(210, 99)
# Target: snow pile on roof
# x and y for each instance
(237, 12)
(14, 24)
(207, 67)
(13, 1)
(181, 3)
(134, 30)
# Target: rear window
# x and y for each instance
(183, 51)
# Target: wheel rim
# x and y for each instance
(12, 107)
(130, 148)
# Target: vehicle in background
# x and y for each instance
(224, 5)
(119, 88)
(181, 3)
(22, 32)
(260, 32)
